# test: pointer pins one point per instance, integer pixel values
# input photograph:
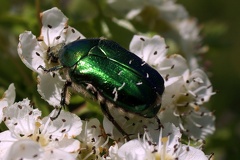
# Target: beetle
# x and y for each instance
(104, 71)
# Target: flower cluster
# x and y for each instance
(32, 137)
(187, 89)
(185, 28)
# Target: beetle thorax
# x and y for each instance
(68, 57)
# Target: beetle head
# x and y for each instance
(53, 52)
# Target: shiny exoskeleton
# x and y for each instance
(105, 71)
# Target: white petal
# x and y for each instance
(109, 128)
(91, 135)
(3, 104)
(151, 50)
(167, 115)
(190, 40)
(125, 24)
(200, 124)
(188, 29)
(173, 134)
(122, 8)
(70, 146)
(50, 88)
(30, 51)
(72, 35)
(66, 125)
(171, 11)
(9, 94)
(191, 153)
(54, 22)
(64, 149)
(25, 149)
(92, 139)
(172, 92)
(172, 67)
(58, 154)
(133, 13)
(6, 139)
(132, 150)
(113, 150)
(200, 85)
(7, 99)
(21, 117)
(91, 129)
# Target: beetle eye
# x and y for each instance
(53, 57)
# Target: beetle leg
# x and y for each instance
(58, 113)
(107, 113)
(50, 69)
(64, 92)
(159, 123)
(63, 98)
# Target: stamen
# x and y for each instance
(181, 126)
(175, 113)
(166, 68)
(105, 143)
(195, 123)
(164, 141)
(160, 140)
(88, 155)
(199, 89)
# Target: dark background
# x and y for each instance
(224, 55)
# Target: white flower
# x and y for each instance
(182, 102)
(185, 90)
(172, 12)
(7, 99)
(188, 30)
(175, 15)
(94, 142)
(172, 68)
(36, 51)
(32, 138)
(133, 7)
(153, 51)
(50, 88)
(168, 147)
(113, 152)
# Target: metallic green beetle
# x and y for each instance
(105, 71)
